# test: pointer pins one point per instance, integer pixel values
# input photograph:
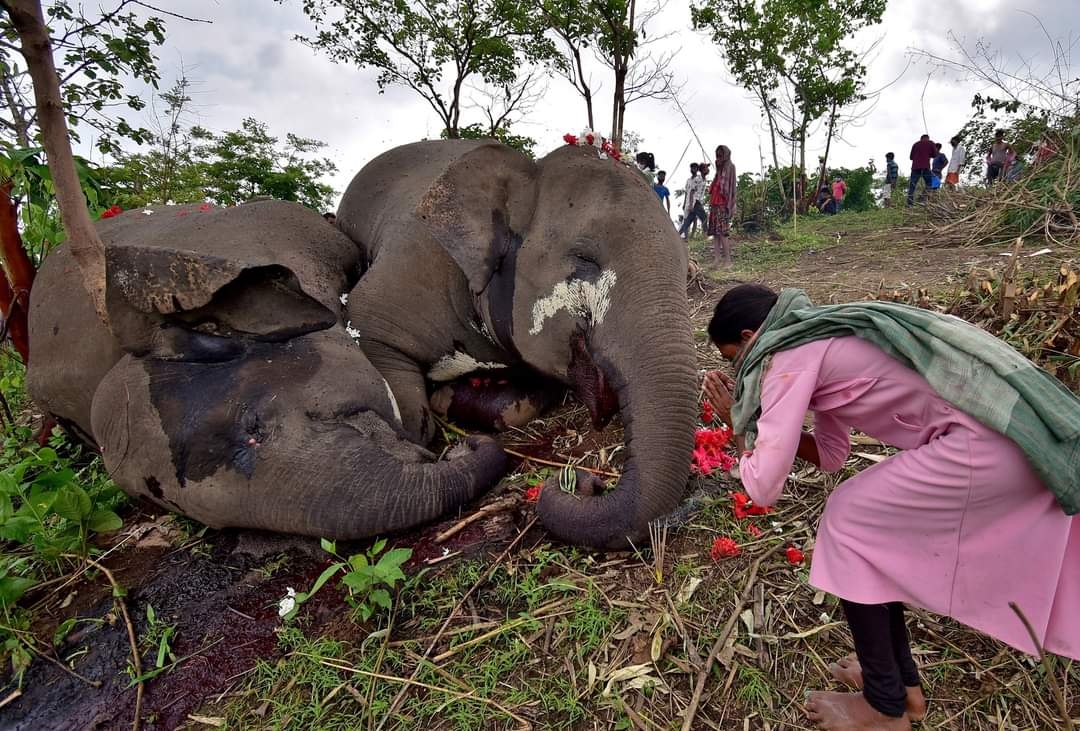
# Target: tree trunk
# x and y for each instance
(772, 139)
(17, 278)
(824, 162)
(82, 237)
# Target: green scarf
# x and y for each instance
(968, 367)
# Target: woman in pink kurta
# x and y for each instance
(957, 522)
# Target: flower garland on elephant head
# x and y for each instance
(588, 138)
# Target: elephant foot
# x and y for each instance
(495, 400)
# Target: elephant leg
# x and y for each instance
(409, 390)
(496, 400)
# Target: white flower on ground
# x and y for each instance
(344, 298)
(353, 332)
(825, 618)
(147, 212)
(287, 604)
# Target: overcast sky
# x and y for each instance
(246, 63)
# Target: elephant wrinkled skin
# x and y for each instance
(267, 370)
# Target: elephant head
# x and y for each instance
(228, 388)
(576, 270)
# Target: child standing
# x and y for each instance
(892, 174)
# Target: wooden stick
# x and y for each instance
(548, 462)
(703, 674)
(1059, 699)
(118, 597)
(496, 507)
(389, 713)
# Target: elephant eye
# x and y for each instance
(585, 267)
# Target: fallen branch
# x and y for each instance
(498, 506)
(118, 597)
(1059, 699)
(718, 646)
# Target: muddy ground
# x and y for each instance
(221, 588)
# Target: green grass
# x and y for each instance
(810, 232)
(491, 671)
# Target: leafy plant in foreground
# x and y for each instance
(369, 579)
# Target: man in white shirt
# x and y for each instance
(693, 208)
(956, 161)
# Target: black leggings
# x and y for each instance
(881, 644)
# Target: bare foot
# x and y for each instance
(850, 712)
(848, 671)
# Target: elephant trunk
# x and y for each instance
(654, 379)
(385, 487)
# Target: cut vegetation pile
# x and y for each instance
(1042, 203)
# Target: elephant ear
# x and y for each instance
(479, 208)
(268, 271)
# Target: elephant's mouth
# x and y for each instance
(591, 386)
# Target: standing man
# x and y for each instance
(922, 152)
(892, 174)
(693, 209)
(998, 158)
(940, 162)
(839, 190)
(662, 191)
(956, 161)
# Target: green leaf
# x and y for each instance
(12, 588)
(378, 547)
(64, 630)
(18, 528)
(380, 597)
(323, 578)
(358, 562)
(103, 521)
(328, 546)
(395, 557)
(151, 615)
(72, 503)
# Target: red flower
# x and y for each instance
(744, 507)
(794, 555)
(204, 207)
(753, 530)
(709, 446)
(589, 138)
(569, 139)
(724, 547)
(111, 211)
(707, 414)
(533, 493)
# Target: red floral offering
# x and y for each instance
(744, 507)
(724, 547)
(794, 556)
(709, 450)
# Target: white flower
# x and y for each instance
(353, 332)
(287, 604)
(825, 618)
(344, 298)
(777, 528)
(147, 212)
(446, 551)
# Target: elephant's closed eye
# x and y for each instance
(585, 267)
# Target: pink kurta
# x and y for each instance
(957, 523)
